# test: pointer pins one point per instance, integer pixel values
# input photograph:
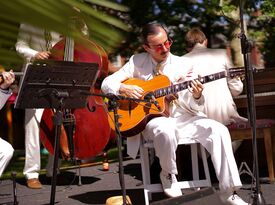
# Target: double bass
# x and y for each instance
(91, 130)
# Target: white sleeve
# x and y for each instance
(187, 101)
(185, 98)
(112, 83)
(4, 96)
(22, 44)
(235, 85)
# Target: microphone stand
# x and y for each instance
(113, 104)
(246, 50)
(13, 175)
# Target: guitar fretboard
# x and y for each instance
(173, 89)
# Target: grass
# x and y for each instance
(18, 161)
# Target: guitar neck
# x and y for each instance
(173, 89)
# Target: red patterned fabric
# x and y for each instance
(260, 123)
(12, 98)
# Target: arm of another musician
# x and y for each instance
(22, 45)
(4, 96)
(235, 85)
(5, 91)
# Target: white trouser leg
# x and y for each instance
(32, 143)
(162, 131)
(215, 137)
(6, 153)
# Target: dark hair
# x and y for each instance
(151, 29)
(194, 36)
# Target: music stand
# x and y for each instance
(58, 85)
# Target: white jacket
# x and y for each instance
(219, 104)
(31, 40)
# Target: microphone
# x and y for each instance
(155, 102)
(152, 99)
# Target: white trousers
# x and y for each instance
(6, 153)
(214, 136)
(32, 145)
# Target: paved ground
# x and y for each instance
(97, 186)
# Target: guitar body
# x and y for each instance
(135, 115)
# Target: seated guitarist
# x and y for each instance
(185, 119)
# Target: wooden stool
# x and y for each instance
(242, 131)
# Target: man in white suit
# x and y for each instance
(186, 119)
(6, 150)
(219, 103)
(34, 44)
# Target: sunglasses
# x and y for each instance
(158, 48)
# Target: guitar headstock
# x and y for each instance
(238, 72)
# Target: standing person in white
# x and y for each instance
(6, 150)
(219, 104)
(185, 118)
(34, 44)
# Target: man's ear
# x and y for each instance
(145, 47)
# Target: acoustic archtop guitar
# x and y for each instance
(135, 115)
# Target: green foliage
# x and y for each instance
(178, 16)
(268, 8)
(115, 24)
(216, 18)
(57, 15)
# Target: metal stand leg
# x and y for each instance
(13, 175)
(113, 106)
(57, 121)
(79, 174)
